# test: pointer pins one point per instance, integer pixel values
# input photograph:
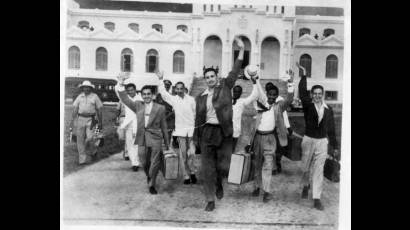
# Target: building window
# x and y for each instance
(250, 6)
(109, 26)
(243, 6)
(74, 57)
(101, 58)
(219, 7)
(126, 60)
(282, 11)
(157, 27)
(291, 39)
(152, 61)
(331, 66)
(306, 61)
(204, 7)
(212, 8)
(236, 6)
(328, 32)
(274, 9)
(304, 31)
(83, 25)
(179, 62)
(331, 95)
(184, 28)
(134, 27)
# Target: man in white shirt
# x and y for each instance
(129, 126)
(184, 107)
(238, 105)
(269, 122)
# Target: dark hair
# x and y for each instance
(130, 85)
(317, 87)
(238, 87)
(269, 86)
(211, 69)
(180, 82)
(170, 82)
(146, 87)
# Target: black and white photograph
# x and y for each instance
(205, 114)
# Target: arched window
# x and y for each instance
(101, 58)
(331, 66)
(126, 60)
(152, 61)
(274, 9)
(184, 28)
(157, 27)
(109, 26)
(212, 8)
(219, 7)
(267, 8)
(74, 57)
(304, 31)
(282, 11)
(83, 25)
(179, 62)
(306, 61)
(204, 7)
(328, 32)
(134, 27)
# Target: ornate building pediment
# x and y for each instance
(306, 40)
(102, 34)
(75, 32)
(179, 36)
(332, 40)
(128, 34)
(153, 36)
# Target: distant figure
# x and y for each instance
(316, 36)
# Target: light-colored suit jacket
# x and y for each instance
(156, 130)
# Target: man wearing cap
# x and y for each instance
(214, 129)
(86, 106)
(269, 123)
(238, 104)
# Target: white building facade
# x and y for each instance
(102, 43)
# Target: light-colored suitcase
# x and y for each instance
(240, 168)
(171, 163)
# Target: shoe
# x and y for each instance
(317, 204)
(187, 181)
(219, 192)
(267, 197)
(274, 172)
(256, 192)
(193, 179)
(152, 190)
(135, 168)
(210, 206)
(305, 192)
(127, 158)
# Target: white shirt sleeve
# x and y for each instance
(286, 119)
(253, 96)
(165, 95)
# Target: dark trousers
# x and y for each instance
(234, 143)
(152, 161)
(216, 153)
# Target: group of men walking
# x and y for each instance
(211, 124)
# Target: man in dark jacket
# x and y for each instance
(214, 128)
(319, 131)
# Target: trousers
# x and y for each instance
(216, 152)
(186, 161)
(314, 154)
(130, 147)
(84, 135)
(152, 161)
(264, 148)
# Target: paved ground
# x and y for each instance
(109, 193)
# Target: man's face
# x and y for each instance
(211, 79)
(86, 90)
(317, 95)
(147, 96)
(167, 85)
(180, 90)
(237, 92)
(272, 95)
(131, 91)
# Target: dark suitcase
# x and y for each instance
(332, 170)
(171, 164)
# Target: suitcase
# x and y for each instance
(240, 168)
(332, 170)
(171, 164)
(294, 149)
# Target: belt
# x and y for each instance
(266, 132)
(212, 125)
(86, 114)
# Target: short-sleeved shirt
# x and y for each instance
(88, 104)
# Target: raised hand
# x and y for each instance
(301, 67)
(239, 42)
(160, 74)
(122, 77)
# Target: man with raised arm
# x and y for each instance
(213, 127)
(319, 131)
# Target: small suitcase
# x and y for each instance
(294, 149)
(332, 170)
(240, 169)
(171, 166)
